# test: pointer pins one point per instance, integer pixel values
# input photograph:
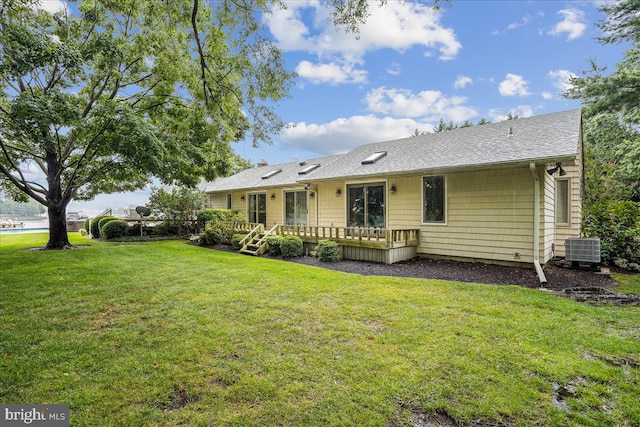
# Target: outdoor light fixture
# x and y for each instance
(307, 187)
(242, 198)
(338, 192)
(312, 195)
(393, 189)
(273, 196)
(554, 170)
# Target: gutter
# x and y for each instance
(536, 224)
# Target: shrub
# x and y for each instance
(102, 221)
(86, 226)
(273, 243)
(114, 229)
(168, 228)
(617, 224)
(327, 251)
(94, 230)
(83, 232)
(218, 215)
(211, 236)
(236, 239)
(291, 247)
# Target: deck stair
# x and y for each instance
(256, 241)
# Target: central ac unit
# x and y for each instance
(582, 249)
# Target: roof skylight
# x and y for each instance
(374, 157)
(272, 173)
(308, 169)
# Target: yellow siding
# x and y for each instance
(489, 213)
(562, 231)
(489, 216)
(332, 208)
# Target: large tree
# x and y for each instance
(619, 91)
(110, 93)
(611, 105)
(105, 96)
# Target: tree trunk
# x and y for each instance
(58, 238)
(57, 205)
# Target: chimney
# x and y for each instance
(262, 163)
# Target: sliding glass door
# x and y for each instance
(258, 208)
(295, 207)
(366, 206)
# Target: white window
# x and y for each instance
(563, 205)
(435, 199)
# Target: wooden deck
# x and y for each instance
(356, 243)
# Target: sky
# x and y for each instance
(412, 66)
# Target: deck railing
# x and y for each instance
(360, 236)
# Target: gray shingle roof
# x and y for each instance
(253, 178)
(547, 138)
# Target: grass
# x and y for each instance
(166, 333)
(628, 283)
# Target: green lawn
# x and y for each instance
(171, 334)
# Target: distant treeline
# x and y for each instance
(11, 208)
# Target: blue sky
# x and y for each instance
(412, 66)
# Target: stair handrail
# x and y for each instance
(256, 230)
(267, 234)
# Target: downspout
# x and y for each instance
(536, 224)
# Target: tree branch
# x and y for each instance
(203, 64)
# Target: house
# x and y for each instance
(501, 192)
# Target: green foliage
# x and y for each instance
(273, 243)
(95, 226)
(618, 92)
(120, 92)
(84, 232)
(114, 229)
(13, 208)
(87, 225)
(218, 215)
(178, 209)
(235, 241)
(617, 224)
(291, 247)
(327, 251)
(212, 236)
(169, 228)
(612, 159)
(102, 221)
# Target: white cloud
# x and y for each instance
(396, 25)
(430, 104)
(573, 24)
(561, 79)
(547, 95)
(498, 115)
(51, 6)
(524, 21)
(394, 69)
(514, 85)
(344, 134)
(331, 73)
(305, 26)
(462, 81)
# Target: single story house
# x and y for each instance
(502, 192)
